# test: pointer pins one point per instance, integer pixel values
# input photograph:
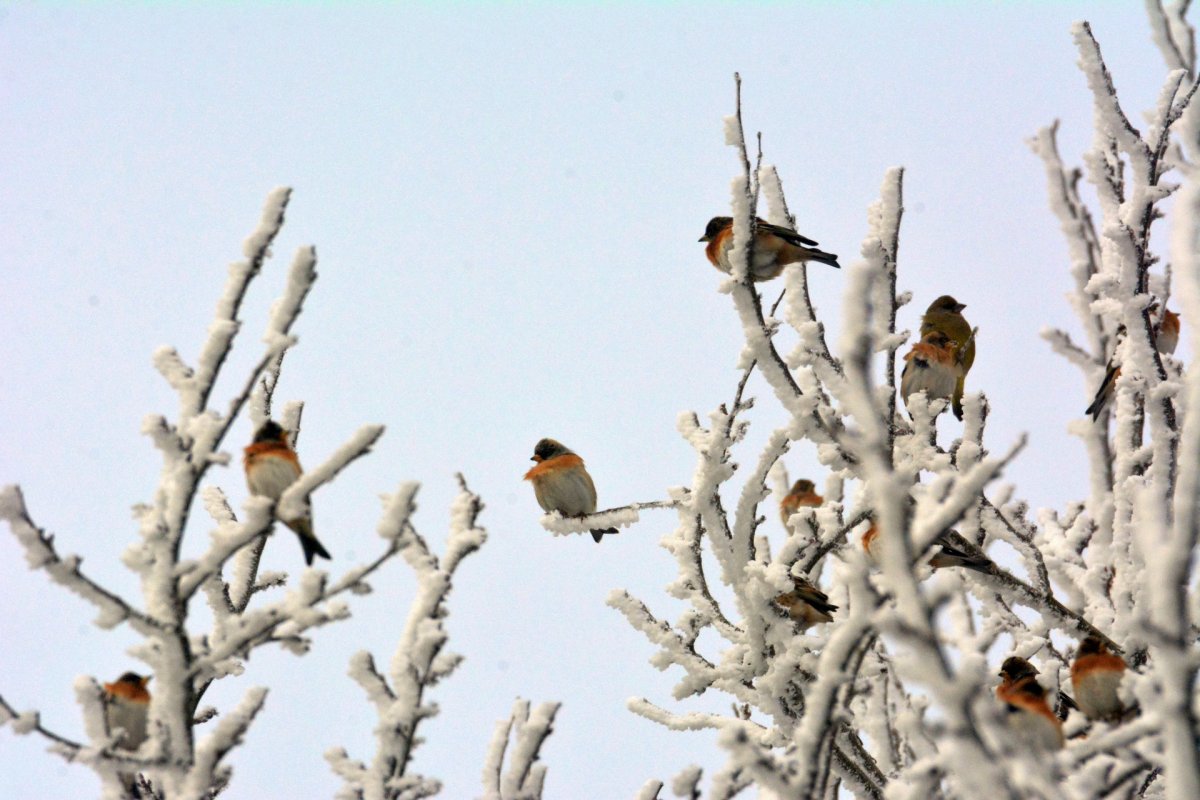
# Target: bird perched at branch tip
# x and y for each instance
(1095, 675)
(802, 493)
(946, 555)
(1166, 338)
(944, 316)
(774, 248)
(932, 367)
(1028, 714)
(271, 467)
(805, 604)
(561, 483)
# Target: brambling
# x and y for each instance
(1029, 715)
(947, 554)
(805, 604)
(561, 483)
(802, 494)
(774, 248)
(1166, 339)
(126, 705)
(271, 467)
(944, 316)
(932, 367)
(1095, 675)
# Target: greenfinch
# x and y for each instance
(945, 317)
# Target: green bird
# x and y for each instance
(945, 316)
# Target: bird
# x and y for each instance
(126, 703)
(1095, 675)
(944, 316)
(1029, 715)
(802, 494)
(947, 554)
(932, 367)
(271, 467)
(561, 483)
(774, 248)
(1166, 339)
(805, 604)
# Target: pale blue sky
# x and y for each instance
(505, 201)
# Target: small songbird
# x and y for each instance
(1095, 675)
(1166, 339)
(944, 316)
(946, 555)
(802, 494)
(774, 248)
(806, 605)
(932, 367)
(561, 483)
(271, 467)
(1029, 715)
(126, 704)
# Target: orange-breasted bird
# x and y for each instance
(803, 493)
(271, 467)
(126, 704)
(1095, 675)
(946, 554)
(1029, 715)
(944, 316)
(561, 483)
(932, 366)
(774, 248)
(805, 604)
(1166, 339)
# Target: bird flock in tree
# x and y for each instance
(934, 371)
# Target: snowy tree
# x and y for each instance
(180, 747)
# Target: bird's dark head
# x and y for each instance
(270, 431)
(715, 226)
(947, 303)
(1091, 646)
(802, 486)
(548, 448)
(1015, 668)
(132, 679)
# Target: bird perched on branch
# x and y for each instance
(127, 709)
(126, 704)
(1166, 338)
(561, 483)
(1095, 675)
(271, 467)
(1029, 715)
(803, 493)
(947, 554)
(806, 605)
(933, 367)
(944, 316)
(774, 248)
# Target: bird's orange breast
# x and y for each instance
(276, 449)
(553, 465)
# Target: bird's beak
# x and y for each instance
(537, 459)
(961, 306)
(703, 239)
(146, 680)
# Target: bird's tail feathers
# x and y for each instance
(812, 254)
(308, 540)
(598, 533)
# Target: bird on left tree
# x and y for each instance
(126, 704)
(271, 467)
(561, 483)
(774, 248)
